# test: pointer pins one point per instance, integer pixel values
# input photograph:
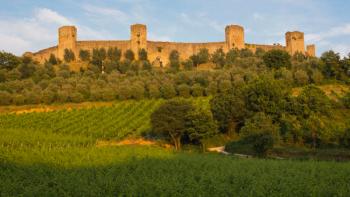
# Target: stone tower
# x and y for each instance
(234, 35)
(138, 38)
(311, 50)
(67, 39)
(295, 42)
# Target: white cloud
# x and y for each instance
(333, 32)
(38, 31)
(49, 16)
(111, 13)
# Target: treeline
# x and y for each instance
(259, 115)
(109, 76)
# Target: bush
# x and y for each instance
(129, 55)
(346, 100)
(277, 58)
(167, 91)
(197, 90)
(184, 90)
(84, 55)
(301, 77)
(259, 124)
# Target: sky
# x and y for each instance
(31, 25)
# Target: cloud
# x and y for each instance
(333, 32)
(200, 20)
(49, 16)
(38, 31)
(103, 12)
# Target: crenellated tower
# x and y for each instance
(311, 50)
(138, 38)
(295, 42)
(234, 35)
(67, 39)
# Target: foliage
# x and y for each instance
(129, 55)
(53, 59)
(114, 54)
(8, 60)
(277, 58)
(174, 60)
(143, 55)
(69, 55)
(218, 58)
(200, 125)
(170, 119)
(84, 55)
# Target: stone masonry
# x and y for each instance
(158, 52)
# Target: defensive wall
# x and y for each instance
(158, 52)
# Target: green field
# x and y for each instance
(55, 154)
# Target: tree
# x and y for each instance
(197, 90)
(69, 55)
(228, 110)
(184, 90)
(98, 56)
(218, 58)
(203, 56)
(174, 60)
(313, 100)
(170, 119)
(188, 64)
(346, 100)
(195, 60)
(84, 55)
(143, 55)
(266, 95)
(314, 125)
(167, 91)
(261, 132)
(244, 53)
(231, 56)
(129, 55)
(331, 64)
(277, 58)
(200, 125)
(301, 77)
(53, 59)
(8, 60)
(114, 54)
(259, 52)
(26, 70)
(5, 98)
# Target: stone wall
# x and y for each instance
(160, 51)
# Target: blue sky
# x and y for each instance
(32, 25)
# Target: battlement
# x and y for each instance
(159, 51)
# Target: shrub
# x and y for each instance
(167, 91)
(301, 77)
(84, 55)
(277, 58)
(197, 90)
(184, 90)
(69, 55)
(346, 100)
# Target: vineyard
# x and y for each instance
(55, 154)
(117, 121)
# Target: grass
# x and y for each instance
(38, 165)
(55, 154)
